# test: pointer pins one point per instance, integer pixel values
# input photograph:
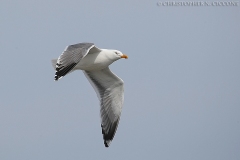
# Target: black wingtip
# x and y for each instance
(56, 78)
(62, 71)
(106, 145)
(108, 137)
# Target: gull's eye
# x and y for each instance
(116, 53)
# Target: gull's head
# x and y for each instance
(116, 55)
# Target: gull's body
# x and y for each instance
(109, 88)
(94, 61)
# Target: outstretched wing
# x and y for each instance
(71, 56)
(109, 89)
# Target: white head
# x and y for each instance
(116, 55)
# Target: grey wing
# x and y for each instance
(70, 57)
(109, 89)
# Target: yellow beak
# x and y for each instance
(124, 56)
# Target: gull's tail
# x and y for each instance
(54, 62)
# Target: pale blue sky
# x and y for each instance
(182, 81)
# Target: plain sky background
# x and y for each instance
(182, 81)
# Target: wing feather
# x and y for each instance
(71, 57)
(109, 89)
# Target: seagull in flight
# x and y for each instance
(94, 63)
